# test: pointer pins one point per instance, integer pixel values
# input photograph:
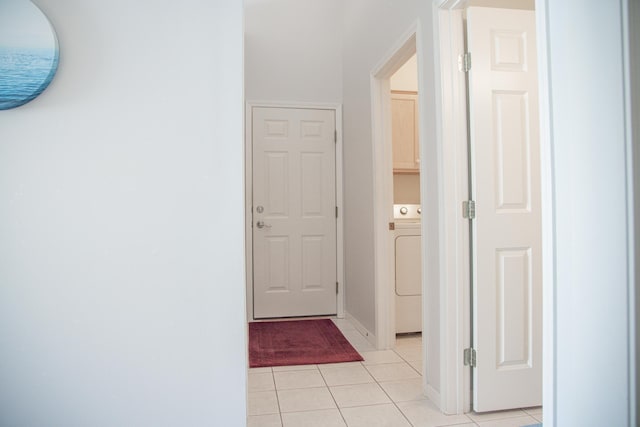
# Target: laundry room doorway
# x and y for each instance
(407, 210)
(402, 108)
(408, 225)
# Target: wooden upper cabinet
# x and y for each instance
(404, 132)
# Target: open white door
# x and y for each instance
(294, 212)
(505, 163)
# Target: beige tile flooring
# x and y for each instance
(382, 391)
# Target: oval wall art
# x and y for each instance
(28, 52)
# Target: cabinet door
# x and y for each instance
(404, 132)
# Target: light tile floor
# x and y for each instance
(382, 391)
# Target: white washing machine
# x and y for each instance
(408, 268)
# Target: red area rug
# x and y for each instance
(298, 342)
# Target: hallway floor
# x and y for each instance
(382, 391)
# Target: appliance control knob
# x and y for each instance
(419, 211)
(404, 210)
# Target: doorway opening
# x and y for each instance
(407, 210)
(381, 102)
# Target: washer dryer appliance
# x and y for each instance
(408, 268)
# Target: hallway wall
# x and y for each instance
(374, 27)
(120, 275)
(406, 78)
(305, 50)
(363, 32)
(293, 50)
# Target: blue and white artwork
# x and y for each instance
(28, 52)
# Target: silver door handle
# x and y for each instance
(261, 224)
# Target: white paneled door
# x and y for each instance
(505, 169)
(294, 212)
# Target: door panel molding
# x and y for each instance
(309, 132)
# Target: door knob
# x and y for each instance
(261, 224)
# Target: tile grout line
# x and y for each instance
(469, 420)
(387, 394)
(394, 403)
(273, 374)
(333, 397)
(406, 361)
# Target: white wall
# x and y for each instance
(372, 28)
(121, 270)
(592, 225)
(293, 50)
(406, 188)
(406, 78)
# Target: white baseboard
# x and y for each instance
(370, 336)
(433, 395)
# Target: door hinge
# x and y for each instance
(470, 357)
(336, 212)
(335, 136)
(469, 209)
(464, 62)
(336, 288)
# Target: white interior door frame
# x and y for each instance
(455, 288)
(404, 49)
(248, 169)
